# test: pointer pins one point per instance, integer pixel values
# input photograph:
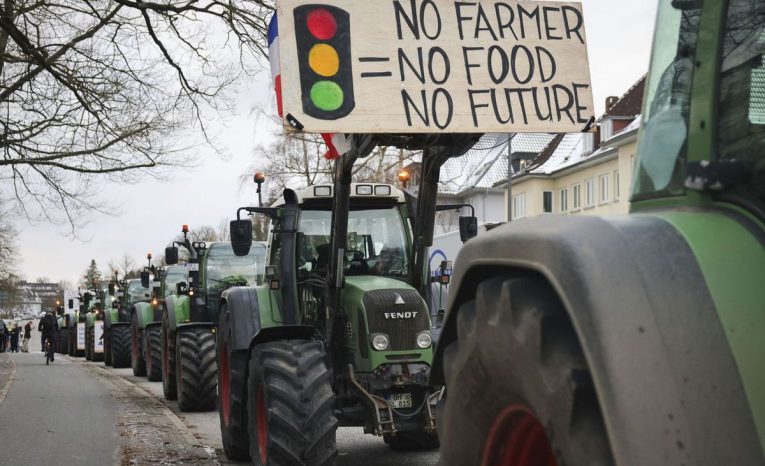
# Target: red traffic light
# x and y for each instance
(321, 24)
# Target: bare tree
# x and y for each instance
(124, 266)
(8, 253)
(105, 90)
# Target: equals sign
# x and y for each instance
(375, 74)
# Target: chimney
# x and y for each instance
(610, 101)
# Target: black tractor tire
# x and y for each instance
(137, 359)
(88, 355)
(196, 373)
(519, 384)
(290, 405)
(232, 401)
(154, 353)
(120, 349)
(62, 341)
(71, 346)
(107, 346)
(412, 441)
(168, 359)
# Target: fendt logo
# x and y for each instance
(401, 315)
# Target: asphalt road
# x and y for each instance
(54, 415)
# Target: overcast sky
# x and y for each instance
(619, 39)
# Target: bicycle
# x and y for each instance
(48, 351)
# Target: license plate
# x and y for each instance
(400, 400)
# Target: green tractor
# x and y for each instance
(342, 320)
(117, 341)
(190, 316)
(634, 340)
(146, 320)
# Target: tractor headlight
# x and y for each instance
(380, 342)
(424, 340)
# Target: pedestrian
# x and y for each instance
(27, 336)
(15, 338)
(2, 336)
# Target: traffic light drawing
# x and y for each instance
(323, 36)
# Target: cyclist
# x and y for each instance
(49, 327)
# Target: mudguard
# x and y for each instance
(144, 312)
(664, 371)
(247, 328)
(177, 310)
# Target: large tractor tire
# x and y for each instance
(168, 359)
(120, 343)
(290, 405)
(107, 346)
(88, 354)
(62, 342)
(71, 346)
(520, 391)
(232, 374)
(137, 359)
(196, 369)
(154, 353)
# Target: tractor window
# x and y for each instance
(136, 293)
(173, 277)
(741, 127)
(376, 242)
(666, 109)
(225, 269)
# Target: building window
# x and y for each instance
(616, 185)
(604, 192)
(563, 200)
(577, 195)
(547, 202)
(589, 192)
(519, 206)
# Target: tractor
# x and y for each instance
(117, 341)
(190, 318)
(146, 320)
(634, 340)
(342, 319)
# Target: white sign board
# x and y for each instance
(431, 66)
(98, 336)
(81, 336)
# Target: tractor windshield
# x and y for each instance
(224, 269)
(664, 133)
(741, 127)
(136, 292)
(376, 243)
(173, 276)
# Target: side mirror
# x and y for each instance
(171, 255)
(71, 303)
(112, 290)
(181, 288)
(145, 279)
(468, 228)
(241, 236)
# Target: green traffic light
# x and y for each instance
(327, 95)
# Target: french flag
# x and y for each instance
(335, 142)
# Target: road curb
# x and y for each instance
(11, 377)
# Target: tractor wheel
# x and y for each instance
(412, 441)
(520, 391)
(290, 405)
(137, 360)
(196, 369)
(120, 346)
(232, 373)
(168, 359)
(71, 346)
(62, 341)
(88, 355)
(154, 353)
(107, 346)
